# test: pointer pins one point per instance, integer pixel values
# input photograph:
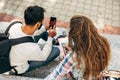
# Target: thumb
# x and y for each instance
(54, 26)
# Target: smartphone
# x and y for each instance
(52, 22)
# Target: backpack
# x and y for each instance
(5, 47)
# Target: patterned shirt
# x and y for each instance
(63, 68)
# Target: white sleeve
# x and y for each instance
(47, 49)
(41, 54)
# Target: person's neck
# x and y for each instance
(27, 29)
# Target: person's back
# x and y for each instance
(29, 55)
(89, 54)
(20, 54)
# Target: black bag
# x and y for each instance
(5, 46)
(5, 35)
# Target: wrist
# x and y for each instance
(49, 37)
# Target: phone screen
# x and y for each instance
(52, 21)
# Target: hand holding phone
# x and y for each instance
(52, 22)
(52, 32)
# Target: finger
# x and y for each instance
(54, 26)
(50, 28)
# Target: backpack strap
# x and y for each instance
(10, 25)
(21, 40)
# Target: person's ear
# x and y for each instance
(38, 25)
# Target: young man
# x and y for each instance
(27, 56)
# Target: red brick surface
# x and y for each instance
(107, 28)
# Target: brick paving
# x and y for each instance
(102, 12)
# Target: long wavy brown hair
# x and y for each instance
(89, 46)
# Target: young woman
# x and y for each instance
(89, 52)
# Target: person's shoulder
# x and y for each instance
(15, 21)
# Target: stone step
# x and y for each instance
(10, 77)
